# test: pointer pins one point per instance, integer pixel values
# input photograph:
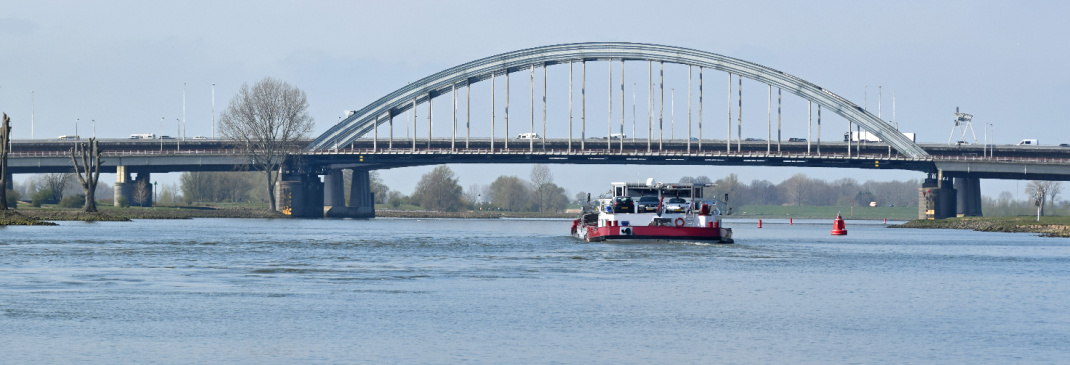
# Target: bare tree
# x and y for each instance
(142, 192)
(266, 120)
(1039, 190)
(89, 154)
(57, 183)
(5, 147)
(541, 179)
(1054, 188)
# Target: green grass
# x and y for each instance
(779, 211)
(1047, 226)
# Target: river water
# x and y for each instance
(522, 291)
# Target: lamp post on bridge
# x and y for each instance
(178, 141)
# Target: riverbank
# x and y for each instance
(14, 218)
(469, 214)
(44, 216)
(1047, 226)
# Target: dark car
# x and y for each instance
(622, 205)
(647, 204)
(1064, 145)
(793, 139)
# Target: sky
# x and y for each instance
(124, 67)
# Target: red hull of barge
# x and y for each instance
(655, 233)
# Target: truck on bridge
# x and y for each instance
(864, 136)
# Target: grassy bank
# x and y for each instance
(109, 213)
(1047, 226)
(14, 218)
(778, 211)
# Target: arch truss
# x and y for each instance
(365, 120)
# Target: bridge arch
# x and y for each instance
(364, 120)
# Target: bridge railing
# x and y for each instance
(595, 152)
(31, 154)
(1004, 159)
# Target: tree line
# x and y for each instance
(802, 190)
(439, 190)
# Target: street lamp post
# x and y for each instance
(161, 134)
(178, 127)
(213, 110)
(183, 111)
(76, 137)
(94, 128)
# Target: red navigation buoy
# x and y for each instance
(790, 221)
(838, 227)
(759, 223)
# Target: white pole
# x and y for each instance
(213, 110)
(183, 111)
(33, 108)
(769, 120)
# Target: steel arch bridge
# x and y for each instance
(365, 120)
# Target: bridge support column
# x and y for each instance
(968, 198)
(124, 187)
(299, 195)
(937, 198)
(334, 200)
(361, 198)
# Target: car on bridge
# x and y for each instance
(528, 136)
(794, 139)
(749, 139)
(68, 138)
(1028, 142)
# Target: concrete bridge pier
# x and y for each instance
(127, 188)
(124, 187)
(361, 202)
(334, 199)
(300, 195)
(361, 197)
(937, 197)
(968, 198)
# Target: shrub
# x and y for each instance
(41, 196)
(123, 203)
(72, 201)
(12, 199)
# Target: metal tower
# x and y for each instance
(963, 120)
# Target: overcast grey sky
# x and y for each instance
(123, 63)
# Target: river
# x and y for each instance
(522, 291)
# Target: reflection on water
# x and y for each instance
(493, 291)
